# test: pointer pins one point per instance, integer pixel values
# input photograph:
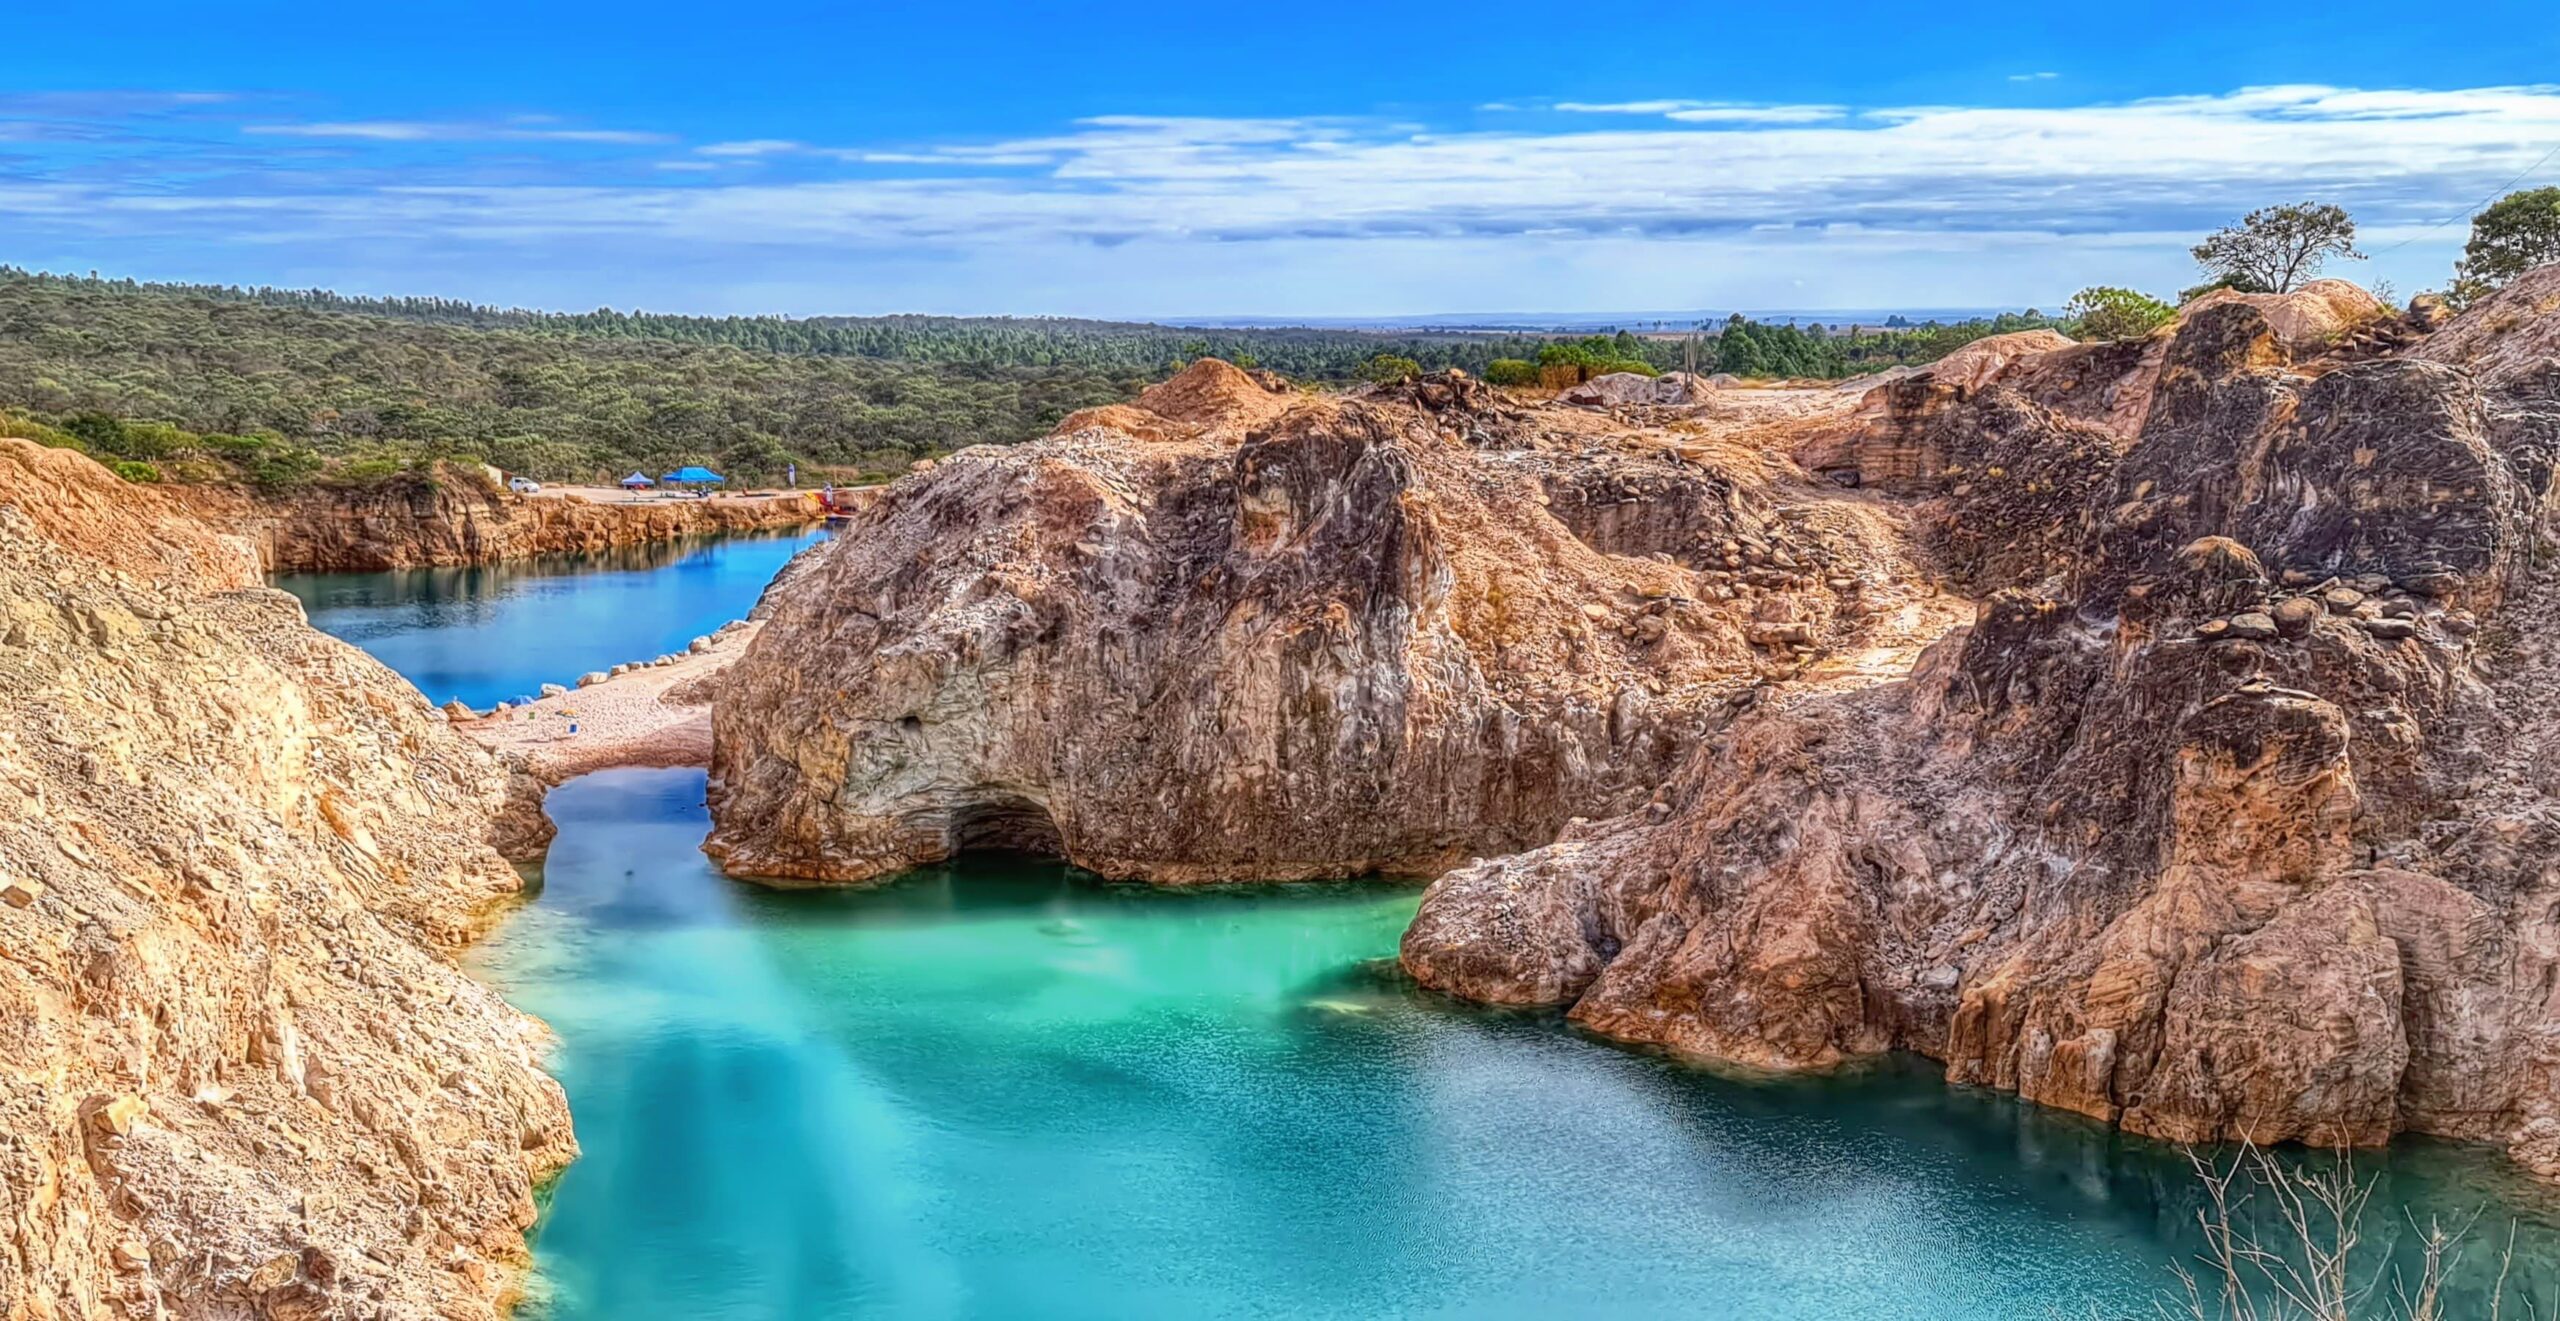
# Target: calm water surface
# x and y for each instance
(1005, 1090)
(498, 632)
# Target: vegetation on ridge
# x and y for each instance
(277, 387)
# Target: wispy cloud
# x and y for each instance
(1623, 107)
(1709, 112)
(752, 147)
(2044, 76)
(1916, 179)
(404, 130)
(1764, 114)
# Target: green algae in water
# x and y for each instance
(1002, 1090)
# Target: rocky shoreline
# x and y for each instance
(653, 713)
(2153, 729)
(2160, 730)
(461, 517)
(2232, 814)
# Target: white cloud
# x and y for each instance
(752, 147)
(2162, 163)
(1797, 184)
(1708, 112)
(1624, 107)
(2043, 77)
(1758, 114)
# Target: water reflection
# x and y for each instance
(1002, 1089)
(497, 632)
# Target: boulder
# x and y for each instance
(1624, 388)
(2253, 626)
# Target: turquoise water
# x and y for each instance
(1001, 1090)
(499, 632)
(1004, 1090)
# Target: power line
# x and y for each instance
(2494, 194)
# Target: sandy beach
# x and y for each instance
(654, 715)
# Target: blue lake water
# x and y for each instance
(1004, 1089)
(498, 632)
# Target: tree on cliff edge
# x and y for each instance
(2513, 235)
(2280, 247)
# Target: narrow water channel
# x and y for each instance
(1005, 1089)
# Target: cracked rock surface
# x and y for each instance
(240, 1074)
(2235, 811)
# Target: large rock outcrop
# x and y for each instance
(2234, 813)
(457, 516)
(240, 1074)
(1268, 635)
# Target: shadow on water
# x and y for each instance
(1002, 1088)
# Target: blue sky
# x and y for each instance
(1313, 159)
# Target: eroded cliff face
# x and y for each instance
(2235, 811)
(460, 518)
(240, 1074)
(1232, 633)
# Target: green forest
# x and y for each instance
(276, 387)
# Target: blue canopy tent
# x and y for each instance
(637, 481)
(695, 477)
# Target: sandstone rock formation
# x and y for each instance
(1625, 389)
(2512, 336)
(2234, 811)
(458, 517)
(239, 1073)
(137, 530)
(1273, 636)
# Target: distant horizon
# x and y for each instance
(1554, 321)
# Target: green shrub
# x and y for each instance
(1609, 366)
(27, 428)
(369, 471)
(135, 470)
(1389, 367)
(150, 440)
(2234, 283)
(283, 467)
(1511, 371)
(2102, 312)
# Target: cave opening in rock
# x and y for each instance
(1006, 823)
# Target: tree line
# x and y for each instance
(277, 387)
